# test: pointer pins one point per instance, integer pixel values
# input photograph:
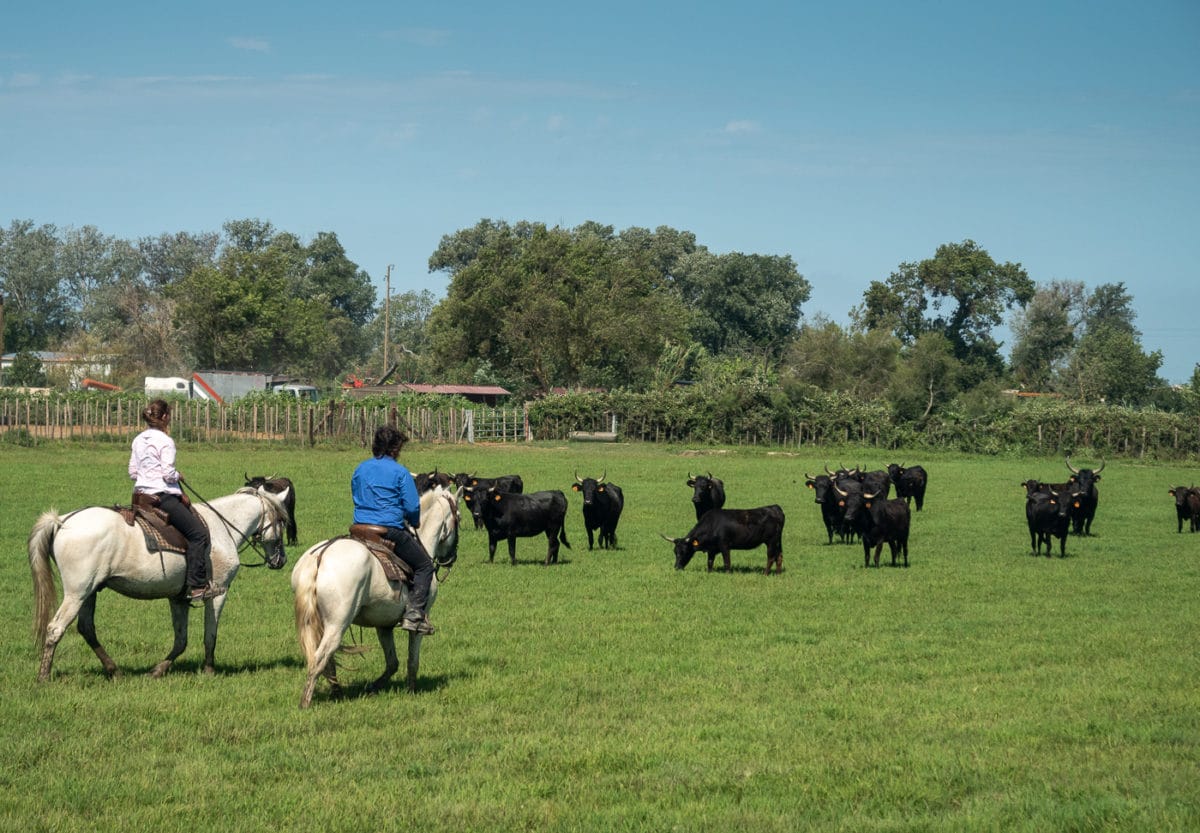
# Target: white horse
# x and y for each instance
(339, 582)
(94, 548)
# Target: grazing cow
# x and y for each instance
(722, 530)
(910, 482)
(602, 505)
(1048, 514)
(879, 521)
(707, 493)
(470, 485)
(511, 516)
(279, 486)
(823, 496)
(1084, 497)
(1187, 507)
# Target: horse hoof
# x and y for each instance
(160, 669)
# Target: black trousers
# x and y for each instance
(410, 551)
(198, 544)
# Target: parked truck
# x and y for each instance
(223, 385)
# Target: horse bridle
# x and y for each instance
(251, 540)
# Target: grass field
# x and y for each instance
(983, 688)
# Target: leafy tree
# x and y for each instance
(961, 292)
(829, 358)
(550, 306)
(1109, 363)
(169, 258)
(1044, 333)
(929, 375)
(37, 307)
(747, 303)
(25, 371)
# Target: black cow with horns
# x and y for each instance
(707, 493)
(602, 505)
(1084, 497)
(279, 485)
(512, 516)
(722, 530)
(879, 521)
(910, 482)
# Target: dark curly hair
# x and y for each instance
(389, 440)
(157, 414)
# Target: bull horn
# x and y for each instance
(808, 476)
(1101, 467)
(710, 477)
(870, 496)
(839, 491)
(603, 475)
(665, 538)
(1072, 468)
(827, 471)
(578, 479)
(246, 476)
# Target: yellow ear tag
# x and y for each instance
(575, 488)
(695, 542)
(496, 498)
(600, 489)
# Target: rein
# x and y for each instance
(247, 540)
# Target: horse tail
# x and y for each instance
(309, 624)
(41, 543)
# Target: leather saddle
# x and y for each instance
(371, 536)
(155, 525)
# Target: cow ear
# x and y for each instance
(808, 485)
(695, 542)
(574, 487)
(600, 489)
(497, 497)
(867, 504)
(474, 482)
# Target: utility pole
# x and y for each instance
(387, 316)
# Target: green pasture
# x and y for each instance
(983, 688)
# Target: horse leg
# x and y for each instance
(324, 665)
(391, 663)
(179, 623)
(67, 611)
(86, 625)
(414, 660)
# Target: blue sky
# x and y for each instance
(1061, 135)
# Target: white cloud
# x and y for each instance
(24, 79)
(250, 44)
(742, 126)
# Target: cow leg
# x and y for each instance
(878, 552)
(712, 556)
(589, 534)
(491, 547)
(512, 550)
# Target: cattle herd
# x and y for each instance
(855, 505)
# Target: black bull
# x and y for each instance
(474, 488)
(1084, 497)
(510, 516)
(707, 493)
(602, 506)
(722, 530)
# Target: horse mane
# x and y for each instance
(439, 512)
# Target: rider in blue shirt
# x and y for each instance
(385, 494)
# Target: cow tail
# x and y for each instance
(41, 543)
(562, 536)
(309, 624)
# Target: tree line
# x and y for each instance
(533, 307)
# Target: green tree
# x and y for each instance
(961, 292)
(826, 357)
(550, 306)
(26, 371)
(1044, 333)
(740, 302)
(1109, 364)
(37, 308)
(929, 375)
